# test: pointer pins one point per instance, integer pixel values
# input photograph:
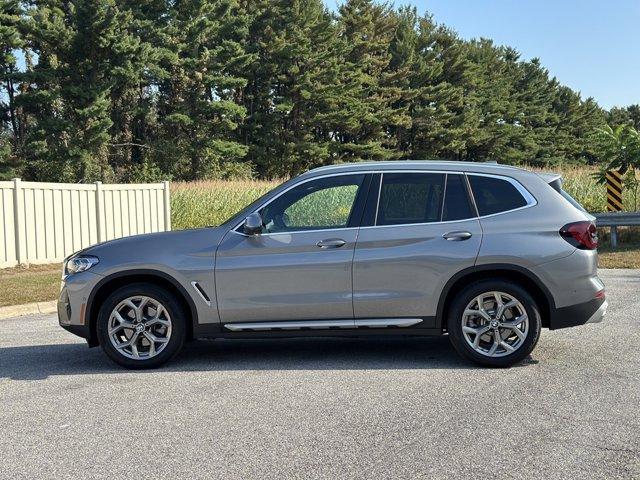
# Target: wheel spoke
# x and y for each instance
(515, 330)
(153, 339)
(152, 345)
(495, 344)
(134, 349)
(506, 346)
(480, 333)
(516, 321)
(122, 323)
(154, 321)
(128, 343)
(478, 313)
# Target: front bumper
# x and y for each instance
(592, 311)
(72, 302)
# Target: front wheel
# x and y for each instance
(141, 326)
(494, 323)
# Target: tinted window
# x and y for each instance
(314, 205)
(410, 198)
(494, 195)
(456, 201)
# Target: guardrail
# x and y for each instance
(614, 220)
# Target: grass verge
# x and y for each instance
(38, 283)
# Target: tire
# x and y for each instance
(168, 326)
(464, 309)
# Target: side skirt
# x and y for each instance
(321, 328)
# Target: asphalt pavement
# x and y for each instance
(326, 408)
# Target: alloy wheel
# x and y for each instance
(139, 327)
(495, 324)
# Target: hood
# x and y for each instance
(154, 249)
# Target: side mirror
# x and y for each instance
(253, 224)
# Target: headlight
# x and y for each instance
(79, 264)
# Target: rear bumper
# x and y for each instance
(592, 311)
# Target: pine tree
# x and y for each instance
(81, 49)
(292, 90)
(370, 107)
(197, 112)
(11, 129)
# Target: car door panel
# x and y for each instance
(285, 276)
(399, 271)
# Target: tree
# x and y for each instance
(293, 89)
(197, 113)
(11, 129)
(82, 48)
(618, 148)
(370, 106)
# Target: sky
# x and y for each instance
(592, 46)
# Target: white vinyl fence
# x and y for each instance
(45, 222)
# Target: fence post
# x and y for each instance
(99, 212)
(18, 221)
(167, 206)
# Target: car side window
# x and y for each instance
(407, 198)
(320, 204)
(495, 195)
(456, 199)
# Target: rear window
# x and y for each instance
(407, 198)
(495, 195)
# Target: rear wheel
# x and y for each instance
(141, 326)
(494, 323)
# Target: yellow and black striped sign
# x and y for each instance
(614, 191)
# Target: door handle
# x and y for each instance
(457, 236)
(331, 243)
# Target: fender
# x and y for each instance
(133, 272)
(476, 269)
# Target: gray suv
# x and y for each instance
(485, 253)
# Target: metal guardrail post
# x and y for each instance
(613, 220)
(614, 236)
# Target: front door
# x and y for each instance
(299, 267)
(425, 231)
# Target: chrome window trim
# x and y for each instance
(529, 198)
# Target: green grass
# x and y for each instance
(38, 283)
(198, 204)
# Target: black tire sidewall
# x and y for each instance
(169, 302)
(454, 323)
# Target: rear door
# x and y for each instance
(423, 230)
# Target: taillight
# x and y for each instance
(583, 235)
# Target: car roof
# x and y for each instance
(444, 165)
